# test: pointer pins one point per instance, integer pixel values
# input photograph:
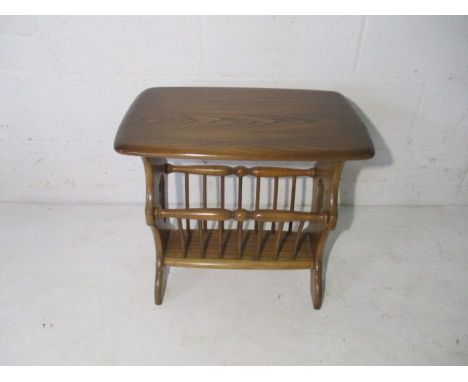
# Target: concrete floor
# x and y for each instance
(76, 286)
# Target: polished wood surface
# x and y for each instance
(243, 124)
(290, 249)
(240, 215)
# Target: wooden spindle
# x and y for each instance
(278, 239)
(275, 201)
(298, 237)
(202, 240)
(187, 200)
(257, 199)
(239, 194)
(222, 199)
(239, 238)
(205, 203)
(181, 237)
(239, 224)
(220, 244)
(259, 239)
(293, 200)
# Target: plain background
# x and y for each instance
(66, 83)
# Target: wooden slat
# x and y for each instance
(202, 240)
(275, 201)
(293, 200)
(239, 193)
(259, 240)
(222, 197)
(278, 239)
(220, 238)
(296, 241)
(187, 199)
(257, 198)
(181, 237)
(205, 205)
(239, 224)
(239, 238)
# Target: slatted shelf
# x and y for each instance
(272, 250)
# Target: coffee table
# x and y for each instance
(226, 128)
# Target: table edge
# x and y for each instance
(259, 155)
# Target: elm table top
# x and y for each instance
(243, 124)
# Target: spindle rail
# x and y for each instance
(208, 249)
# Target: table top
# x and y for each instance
(243, 124)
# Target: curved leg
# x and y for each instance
(156, 196)
(162, 271)
(316, 286)
(160, 282)
(325, 198)
(316, 282)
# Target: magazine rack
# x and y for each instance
(240, 125)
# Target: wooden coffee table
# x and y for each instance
(241, 124)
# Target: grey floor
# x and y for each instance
(76, 287)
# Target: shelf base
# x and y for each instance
(230, 258)
(239, 264)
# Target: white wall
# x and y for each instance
(65, 83)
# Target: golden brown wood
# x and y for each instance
(218, 170)
(243, 124)
(275, 201)
(181, 236)
(230, 247)
(214, 170)
(205, 205)
(239, 193)
(257, 199)
(286, 216)
(187, 199)
(218, 214)
(317, 196)
(220, 242)
(325, 197)
(202, 240)
(155, 171)
(222, 199)
(278, 238)
(316, 281)
(293, 199)
(215, 214)
(259, 239)
(280, 171)
(239, 238)
(239, 207)
(239, 263)
(298, 238)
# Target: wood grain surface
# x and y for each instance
(243, 124)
